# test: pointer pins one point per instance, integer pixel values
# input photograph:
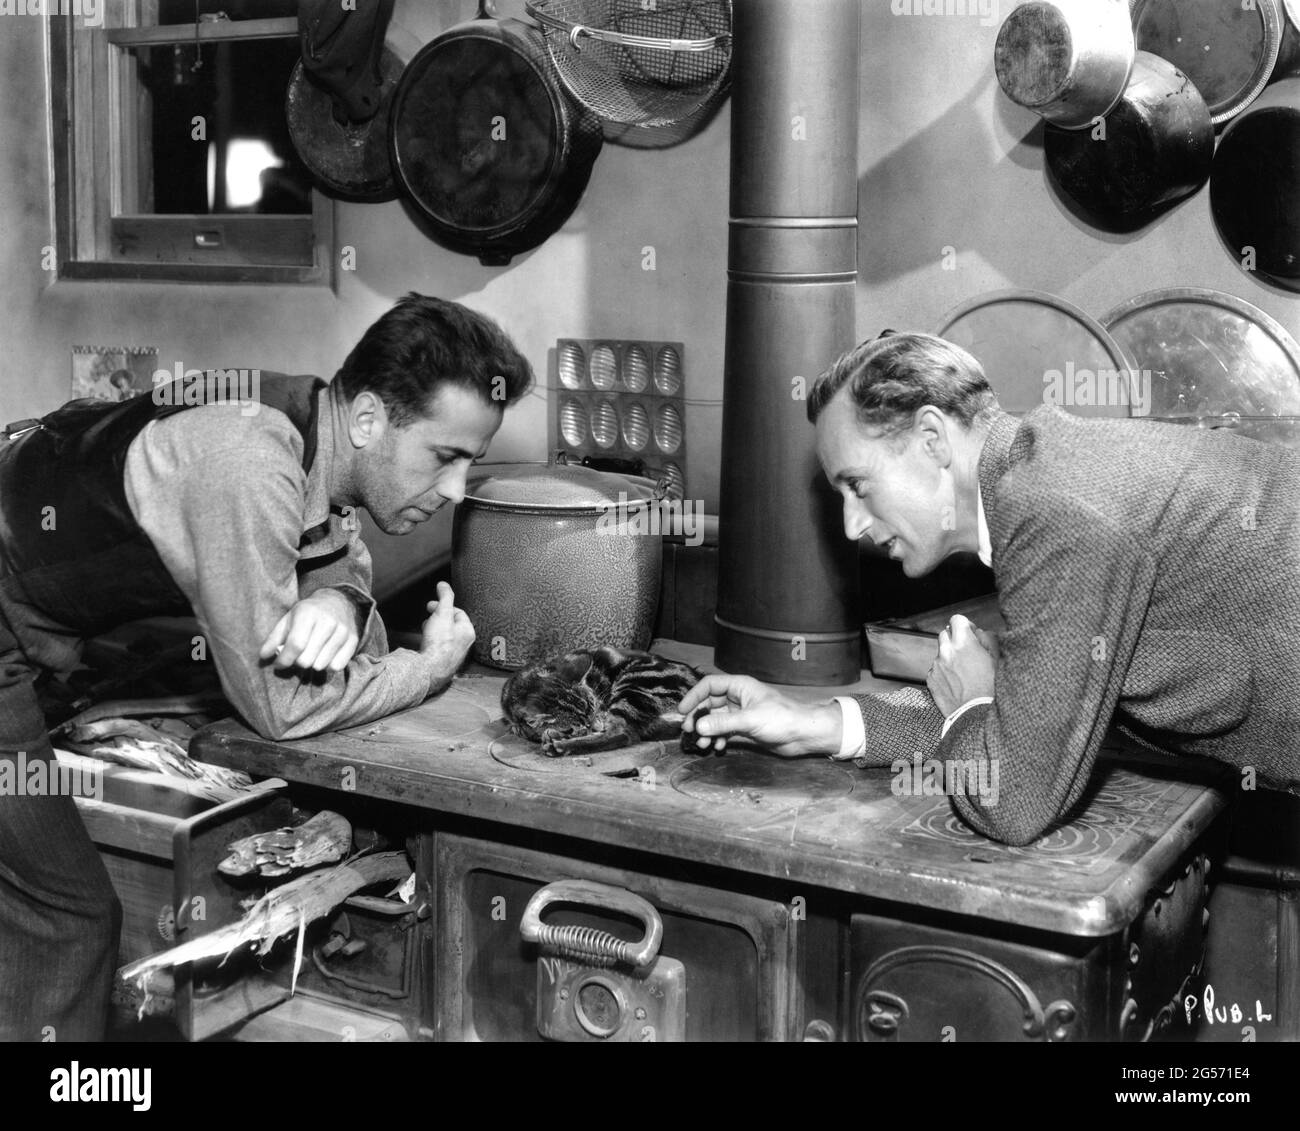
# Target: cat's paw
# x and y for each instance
(552, 740)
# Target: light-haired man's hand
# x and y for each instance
(740, 707)
(965, 666)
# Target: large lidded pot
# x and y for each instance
(552, 559)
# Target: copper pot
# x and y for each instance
(553, 559)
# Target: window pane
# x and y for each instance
(245, 160)
(182, 11)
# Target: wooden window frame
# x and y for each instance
(96, 237)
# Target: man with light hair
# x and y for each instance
(1148, 575)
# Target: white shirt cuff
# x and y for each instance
(853, 744)
(957, 714)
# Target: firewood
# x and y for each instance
(289, 907)
(325, 838)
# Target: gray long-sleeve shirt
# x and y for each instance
(223, 497)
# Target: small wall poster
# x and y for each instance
(113, 373)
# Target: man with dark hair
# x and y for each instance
(1148, 575)
(244, 511)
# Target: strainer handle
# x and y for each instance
(621, 39)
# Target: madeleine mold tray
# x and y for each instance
(621, 405)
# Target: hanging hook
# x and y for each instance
(198, 50)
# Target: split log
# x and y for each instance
(325, 838)
(287, 908)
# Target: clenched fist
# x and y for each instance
(447, 635)
(965, 667)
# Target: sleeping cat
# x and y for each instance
(587, 701)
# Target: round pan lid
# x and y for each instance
(475, 134)
(1227, 48)
(557, 487)
(1038, 349)
(350, 159)
(1209, 353)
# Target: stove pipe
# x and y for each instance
(788, 582)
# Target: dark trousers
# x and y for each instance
(59, 915)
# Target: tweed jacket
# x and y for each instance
(1149, 576)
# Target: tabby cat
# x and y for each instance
(597, 700)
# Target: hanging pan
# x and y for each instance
(1255, 186)
(490, 151)
(339, 96)
(1153, 149)
(349, 159)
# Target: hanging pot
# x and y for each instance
(1153, 149)
(349, 159)
(1255, 186)
(1068, 60)
(487, 146)
(551, 559)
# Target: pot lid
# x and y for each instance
(1228, 50)
(1032, 345)
(559, 487)
(1209, 353)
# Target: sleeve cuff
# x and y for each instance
(957, 714)
(362, 602)
(853, 744)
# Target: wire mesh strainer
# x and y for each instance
(638, 63)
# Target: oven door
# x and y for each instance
(724, 967)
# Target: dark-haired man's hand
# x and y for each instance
(318, 633)
(447, 635)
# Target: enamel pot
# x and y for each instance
(549, 559)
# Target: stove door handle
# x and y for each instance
(590, 944)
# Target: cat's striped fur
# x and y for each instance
(597, 700)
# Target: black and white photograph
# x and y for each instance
(651, 521)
